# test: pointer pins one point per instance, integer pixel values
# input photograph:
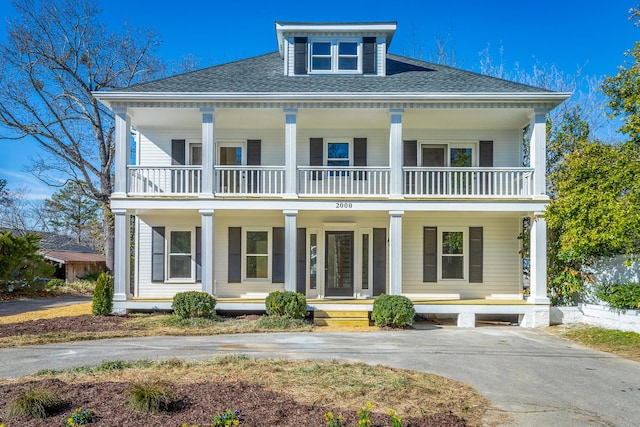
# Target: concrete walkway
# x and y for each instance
(539, 379)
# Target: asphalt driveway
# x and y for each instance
(539, 379)
(18, 306)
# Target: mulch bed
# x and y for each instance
(83, 323)
(194, 404)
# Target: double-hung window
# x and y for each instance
(335, 56)
(256, 256)
(338, 156)
(453, 255)
(180, 247)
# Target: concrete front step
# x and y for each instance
(341, 318)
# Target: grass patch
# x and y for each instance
(624, 344)
(50, 313)
(151, 396)
(341, 386)
(37, 402)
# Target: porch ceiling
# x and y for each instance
(343, 118)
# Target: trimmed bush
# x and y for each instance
(151, 397)
(395, 311)
(194, 304)
(288, 303)
(103, 295)
(37, 402)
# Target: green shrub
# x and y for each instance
(194, 304)
(151, 397)
(54, 284)
(288, 303)
(282, 323)
(393, 310)
(37, 402)
(103, 295)
(624, 295)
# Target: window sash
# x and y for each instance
(180, 254)
(257, 254)
(453, 254)
(335, 56)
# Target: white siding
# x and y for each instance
(377, 143)
(506, 144)
(502, 265)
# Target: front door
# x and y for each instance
(339, 264)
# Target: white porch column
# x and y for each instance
(538, 261)
(290, 146)
(538, 151)
(395, 152)
(122, 249)
(123, 148)
(208, 152)
(207, 251)
(395, 252)
(290, 242)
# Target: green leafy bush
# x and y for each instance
(194, 304)
(37, 402)
(103, 295)
(393, 310)
(54, 284)
(288, 303)
(151, 397)
(624, 295)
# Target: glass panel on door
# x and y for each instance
(339, 263)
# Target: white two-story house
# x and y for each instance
(333, 168)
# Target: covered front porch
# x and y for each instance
(465, 311)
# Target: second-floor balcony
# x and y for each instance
(325, 181)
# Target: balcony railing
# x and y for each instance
(361, 181)
(328, 181)
(173, 180)
(249, 180)
(468, 182)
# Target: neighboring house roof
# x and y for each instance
(63, 257)
(264, 74)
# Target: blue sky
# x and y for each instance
(567, 34)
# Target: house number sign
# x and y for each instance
(344, 205)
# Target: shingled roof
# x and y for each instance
(265, 74)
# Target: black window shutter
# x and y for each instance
(410, 158)
(475, 254)
(198, 254)
(277, 262)
(178, 152)
(360, 155)
(369, 55)
(157, 254)
(430, 254)
(235, 255)
(254, 156)
(379, 261)
(486, 161)
(486, 154)
(300, 55)
(410, 153)
(301, 261)
(316, 156)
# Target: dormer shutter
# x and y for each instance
(300, 55)
(369, 55)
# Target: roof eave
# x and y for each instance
(553, 98)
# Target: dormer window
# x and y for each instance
(335, 56)
(334, 48)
